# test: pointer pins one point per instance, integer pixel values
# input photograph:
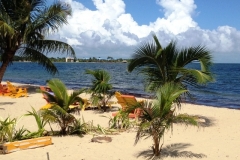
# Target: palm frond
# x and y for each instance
(53, 46)
(199, 53)
(51, 18)
(49, 115)
(60, 92)
(49, 46)
(159, 47)
(74, 97)
(142, 131)
(199, 76)
(38, 57)
(143, 55)
(168, 93)
(40, 122)
(5, 28)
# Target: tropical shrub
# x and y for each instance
(101, 88)
(9, 132)
(61, 106)
(79, 127)
(121, 121)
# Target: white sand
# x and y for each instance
(218, 140)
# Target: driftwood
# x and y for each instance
(101, 139)
(25, 144)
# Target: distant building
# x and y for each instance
(69, 59)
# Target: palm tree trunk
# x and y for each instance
(5, 62)
(156, 149)
(63, 127)
(3, 68)
(63, 130)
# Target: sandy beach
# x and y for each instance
(216, 139)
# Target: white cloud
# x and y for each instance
(177, 17)
(110, 31)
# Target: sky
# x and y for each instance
(115, 28)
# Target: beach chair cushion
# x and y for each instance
(127, 101)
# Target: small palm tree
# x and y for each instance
(60, 109)
(161, 65)
(101, 88)
(159, 115)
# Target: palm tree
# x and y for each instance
(61, 105)
(159, 115)
(23, 26)
(101, 88)
(161, 65)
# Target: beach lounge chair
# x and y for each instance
(49, 105)
(4, 90)
(46, 106)
(127, 101)
(86, 104)
(16, 92)
(45, 90)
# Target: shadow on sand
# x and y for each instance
(205, 121)
(31, 89)
(174, 150)
(6, 103)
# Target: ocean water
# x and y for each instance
(224, 92)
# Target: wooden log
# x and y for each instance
(25, 144)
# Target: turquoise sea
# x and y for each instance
(224, 92)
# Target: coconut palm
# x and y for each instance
(101, 88)
(61, 105)
(159, 115)
(161, 65)
(23, 27)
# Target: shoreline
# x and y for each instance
(33, 88)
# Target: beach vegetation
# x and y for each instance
(79, 127)
(161, 65)
(41, 123)
(24, 26)
(62, 105)
(160, 114)
(121, 121)
(9, 131)
(7, 128)
(101, 89)
(99, 130)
